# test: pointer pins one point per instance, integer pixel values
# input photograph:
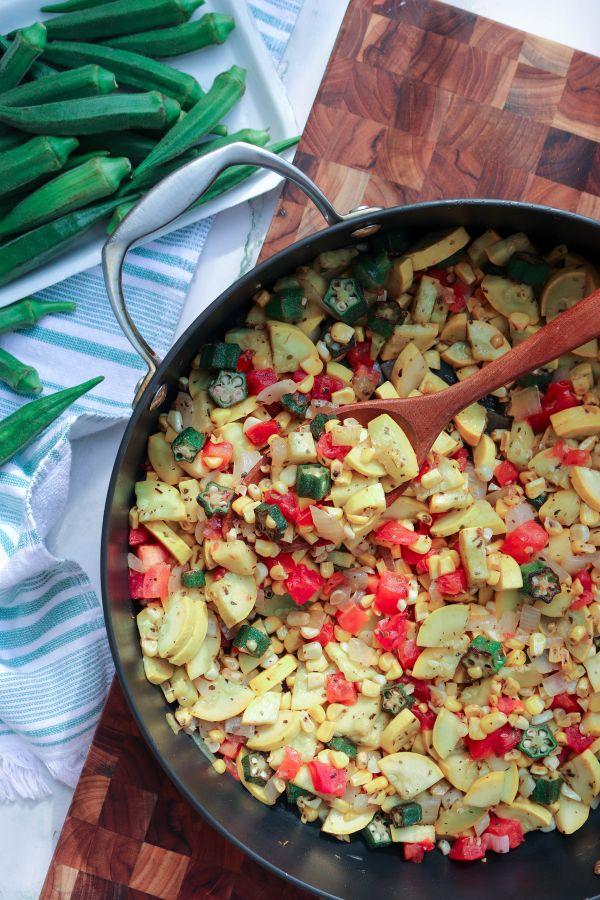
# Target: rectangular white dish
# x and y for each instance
(264, 105)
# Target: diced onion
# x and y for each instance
(555, 684)
(272, 791)
(360, 653)
(558, 569)
(542, 664)
(135, 563)
(518, 515)
(360, 802)
(529, 620)
(184, 405)
(234, 726)
(175, 579)
(430, 808)
(499, 843)
(477, 488)
(357, 578)
(480, 826)
(508, 622)
(244, 463)
(326, 526)
(274, 392)
(525, 403)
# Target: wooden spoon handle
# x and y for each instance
(571, 329)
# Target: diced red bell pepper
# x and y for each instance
(366, 379)
(505, 473)
(303, 583)
(328, 450)
(290, 765)
(324, 386)
(565, 701)
(422, 691)
(462, 458)
(286, 503)
(392, 586)
(393, 533)
(440, 275)
(230, 748)
(466, 849)
(284, 560)
(418, 560)
(423, 469)
(219, 455)
(352, 619)
(260, 433)
(391, 631)
(334, 581)
(497, 743)
(558, 396)
(415, 852)
(244, 363)
(151, 554)
(577, 741)
(325, 636)
(461, 292)
(327, 779)
(427, 718)
(360, 354)
(139, 535)
(508, 705)
(510, 827)
(570, 457)
(136, 585)
(231, 768)
(338, 690)
(259, 379)
(583, 600)
(304, 518)
(156, 581)
(525, 541)
(453, 583)
(408, 653)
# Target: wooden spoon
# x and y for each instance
(424, 418)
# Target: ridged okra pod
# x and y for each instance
(23, 426)
(93, 180)
(212, 28)
(72, 5)
(130, 69)
(27, 45)
(40, 155)
(21, 378)
(93, 115)
(28, 251)
(85, 81)
(119, 17)
(27, 312)
(226, 90)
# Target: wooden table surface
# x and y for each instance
(420, 101)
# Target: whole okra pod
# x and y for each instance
(27, 45)
(212, 28)
(97, 178)
(119, 17)
(27, 312)
(85, 81)
(93, 115)
(39, 156)
(24, 425)
(21, 378)
(72, 5)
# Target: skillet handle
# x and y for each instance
(168, 200)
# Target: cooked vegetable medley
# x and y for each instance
(426, 674)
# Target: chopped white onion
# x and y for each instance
(243, 464)
(235, 726)
(430, 808)
(529, 620)
(525, 403)
(184, 405)
(175, 579)
(360, 802)
(555, 684)
(274, 392)
(508, 622)
(499, 843)
(542, 664)
(326, 526)
(481, 825)
(558, 569)
(360, 653)
(357, 578)
(477, 488)
(518, 515)
(135, 563)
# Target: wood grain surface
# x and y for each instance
(420, 101)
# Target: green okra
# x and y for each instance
(72, 5)
(78, 159)
(226, 90)
(27, 45)
(132, 144)
(85, 81)
(95, 179)
(119, 17)
(21, 378)
(213, 28)
(25, 313)
(28, 251)
(23, 426)
(10, 138)
(93, 115)
(40, 70)
(130, 69)
(38, 156)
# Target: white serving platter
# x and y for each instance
(264, 105)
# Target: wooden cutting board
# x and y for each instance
(419, 101)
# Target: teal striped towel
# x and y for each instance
(55, 666)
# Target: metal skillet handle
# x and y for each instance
(165, 203)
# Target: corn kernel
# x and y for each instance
(286, 700)
(492, 721)
(340, 804)
(325, 732)
(395, 671)
(311, 366)
(475, 730)
(217, 735)
(537, 644)
(334, 711)
(317, 713)
(343, 396)
(534, 705)
(377, 784)
(452, 704)
(219, 766)
(360, 778)
(516, 658)
(342, 332)
(577, 633)
(339, 759)
(369, 688)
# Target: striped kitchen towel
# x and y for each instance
(55, 666)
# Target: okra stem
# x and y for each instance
(39, 156)
(24, 50)
(27, 312)
(24, 425)
(212, 28)
(21, 378)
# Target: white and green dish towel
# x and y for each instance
(55, 665)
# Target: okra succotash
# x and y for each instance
(419, 676)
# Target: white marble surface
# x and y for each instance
(231, 249)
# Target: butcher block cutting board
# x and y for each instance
(420, 101)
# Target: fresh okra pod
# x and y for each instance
(21, 378)
(226, 90)
(130, 69)
(27, 45)
(72, 5)
(39, 156)
(10, 139)
(34, 248)
(119, 17)
(212, 28)
(85, 81)
(24, 425)
(93, 115)
(97, 178)
(26, 313)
